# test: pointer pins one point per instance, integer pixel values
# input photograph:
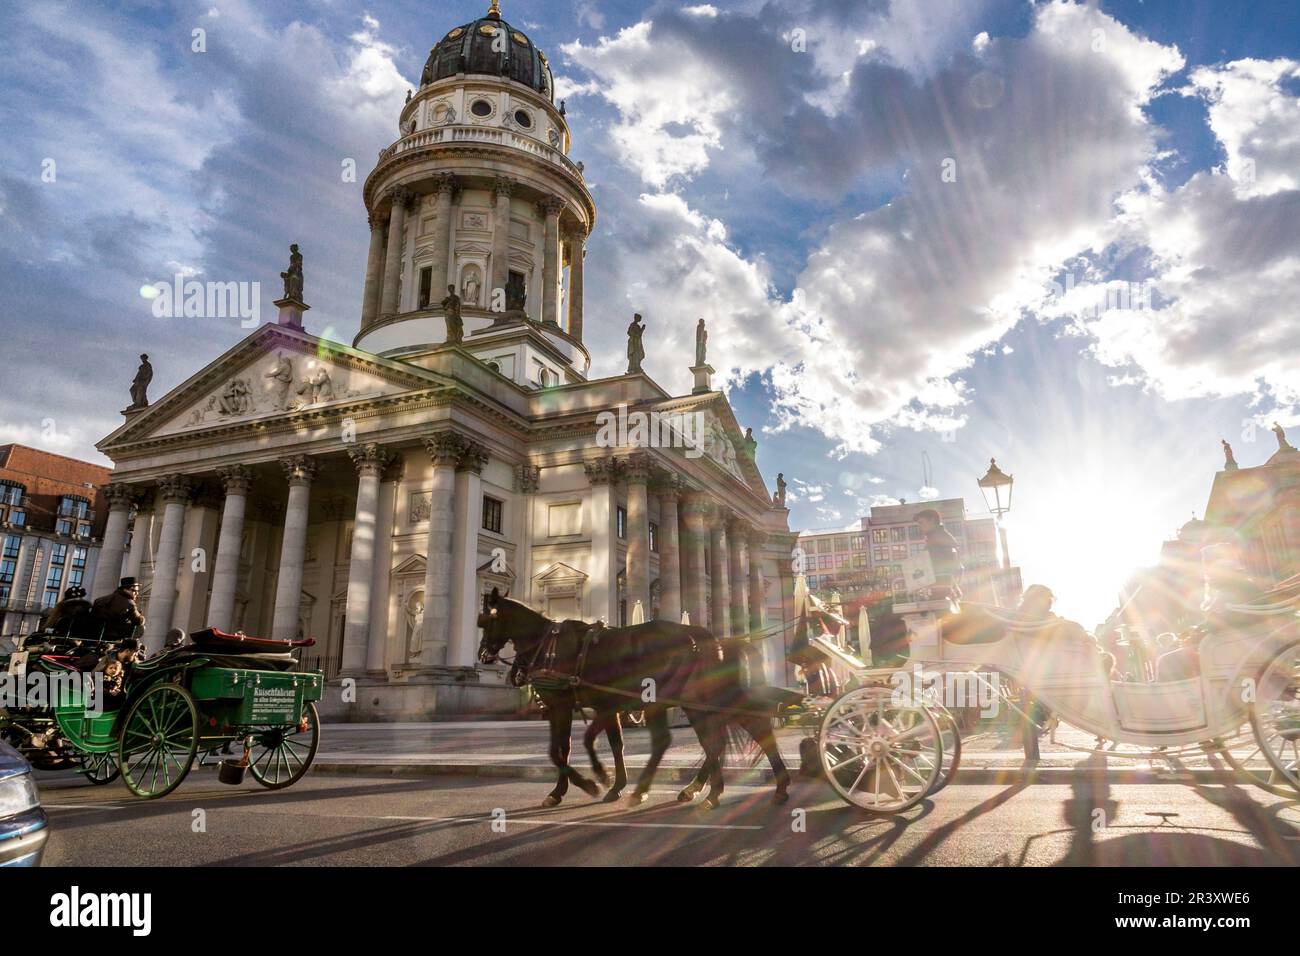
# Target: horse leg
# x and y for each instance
(614, 731)
(656, 719)
(598, 723)
(692, 789)
(759, 726)
(561, 727)
(715, 749)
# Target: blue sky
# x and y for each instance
(869, 202)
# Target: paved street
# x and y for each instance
(360, 820)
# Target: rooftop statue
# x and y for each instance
(293, 278)
(451, 312)
(701, 342)
(1282, 443)
(140, 384)
(635, 350)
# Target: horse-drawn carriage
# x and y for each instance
(887, 743)
(150, 724)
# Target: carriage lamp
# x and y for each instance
(996, 487)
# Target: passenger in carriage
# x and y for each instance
(1227, 583)
(61, 618)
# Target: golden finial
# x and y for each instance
(494, 11)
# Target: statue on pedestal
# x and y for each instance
(701, 343)
(1229, 462)
(778, 496)
(140, 384)
(451, 312)
(293, 278)
(1282, 443)
(635, 350)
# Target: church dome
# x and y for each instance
(490, 47)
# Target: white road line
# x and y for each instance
(81, 806)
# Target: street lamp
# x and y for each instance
(996, 487)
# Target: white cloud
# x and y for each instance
(1224, 251)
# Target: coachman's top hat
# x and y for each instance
(128, 583)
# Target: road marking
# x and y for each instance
(81, 806)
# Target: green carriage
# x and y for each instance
(179, 706)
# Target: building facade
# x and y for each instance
(53, 511)
(861, 566)
(368, 495)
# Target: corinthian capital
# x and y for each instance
(175, 488)
(370, 459)
(602, 471)
(120, 496)
(399, 196)
(502, 186)
(236, 479)
(298, 469)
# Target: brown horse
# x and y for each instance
(648, 667)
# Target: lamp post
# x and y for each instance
(996, 487)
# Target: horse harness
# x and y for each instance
(541, 670)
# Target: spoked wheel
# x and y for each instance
(160, 733)
(1275, 717)
(879, 754)
(950, 738)
(100, 769)
(1252, 768)
(281, 755)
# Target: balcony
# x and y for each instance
(489, 135)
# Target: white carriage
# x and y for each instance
(889, 742)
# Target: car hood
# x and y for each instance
(10, 762)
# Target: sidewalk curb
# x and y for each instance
(747, 777)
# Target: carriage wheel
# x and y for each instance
(950, 737)
(281, 755)
(1275, 718)
(879, 754)
(1266, 778)
(100, 769)
(159, 736)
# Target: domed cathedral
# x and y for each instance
(479, 199)
(368, 495)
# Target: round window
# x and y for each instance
(523, 119)
(481, 108)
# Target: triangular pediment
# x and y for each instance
(722, 439)
(416, 564)
(559, 571)
(275, 372)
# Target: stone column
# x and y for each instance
(198, 547)
(377, 648)
(369, 461)
(225, 570)
(467, 519)
(445, 185)
(527, 480)
(769, 646)
(299, 470)
(445, 449)
(175, 492)
(577, 253)
(670, 562)
(370, 298)
(388, 303)
(738, 582)
(719, 576)
(108, 569)
(504, 189)
(602, 474)
(551, 210)
(695, 508)
(638, 534)
(141, 541)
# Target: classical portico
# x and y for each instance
(367, 496)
